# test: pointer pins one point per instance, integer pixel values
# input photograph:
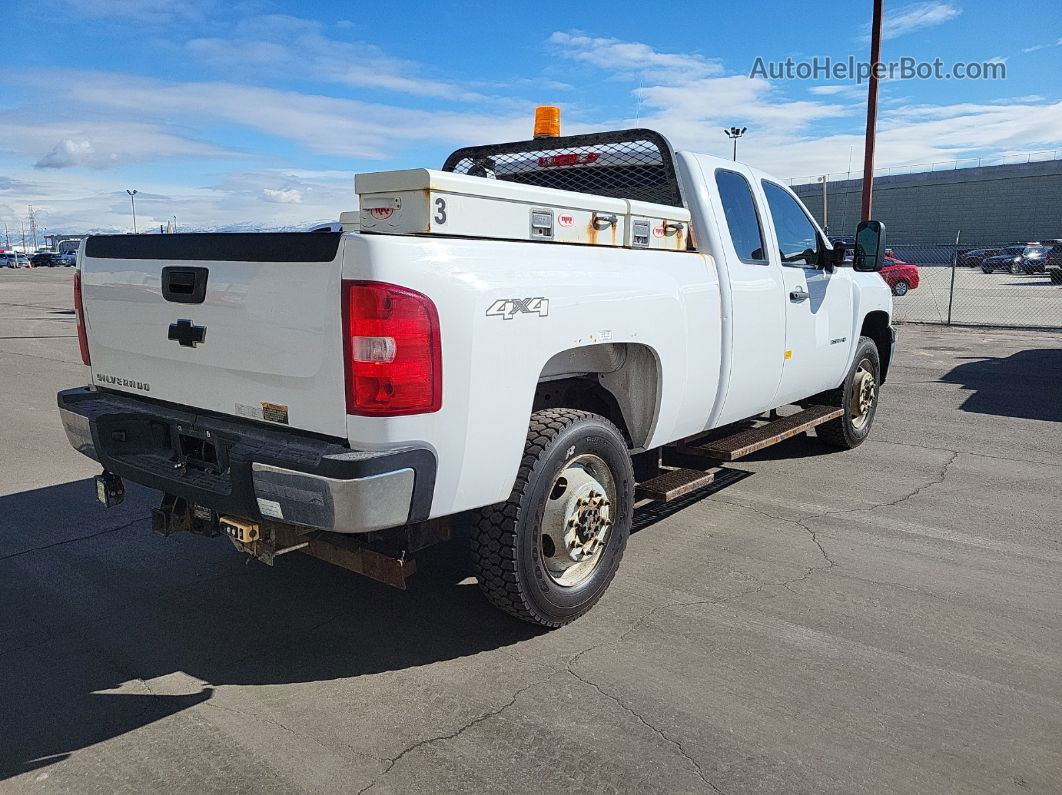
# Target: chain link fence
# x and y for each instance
(1009, 284)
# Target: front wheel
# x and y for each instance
(900, 288)
(986, 269)
(1015, 268)
(858, 397)
(547, 554)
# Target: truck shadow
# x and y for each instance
(1026, 384)
(106, 627)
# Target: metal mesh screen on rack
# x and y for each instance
(625, 164)
(978, 284)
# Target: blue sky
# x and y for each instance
(261, 112)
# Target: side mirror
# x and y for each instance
(869, 246)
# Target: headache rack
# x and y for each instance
(614, 189)
(633, 164)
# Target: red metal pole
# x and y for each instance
(872, 111)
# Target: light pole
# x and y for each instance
(733, 134)
(825, 204)
(132, 203)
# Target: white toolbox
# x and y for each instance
(424, 201)
(657, 226)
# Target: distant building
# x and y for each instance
(991, 204)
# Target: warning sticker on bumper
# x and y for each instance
(270, 508)
(270, 412)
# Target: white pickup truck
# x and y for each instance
(536, 337)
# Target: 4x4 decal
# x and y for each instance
(508, 307)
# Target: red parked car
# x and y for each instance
(899, 275)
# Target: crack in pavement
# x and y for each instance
(74, 540)
(962, 452)
(803, 521)
(451, 735)
(659, 732)
(637, 624)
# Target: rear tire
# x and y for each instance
(858, 397)
(901, 287)
(1056, 276)
(986, 269)
(1015, 269)
(547, 554)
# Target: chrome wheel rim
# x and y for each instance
(864, 393)
(576, 524)
(901, 288)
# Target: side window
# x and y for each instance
(798, 240)
(741, 217)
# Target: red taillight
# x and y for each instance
(392, 349)
(79, 310)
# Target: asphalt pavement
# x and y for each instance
(886, 619)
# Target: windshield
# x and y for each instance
(1035, 251)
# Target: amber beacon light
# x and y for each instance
(547, 121)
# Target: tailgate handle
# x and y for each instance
(184, 285)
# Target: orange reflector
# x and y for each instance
(547, 121)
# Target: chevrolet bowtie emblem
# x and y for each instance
(187, 334)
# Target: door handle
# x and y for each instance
(799, 294)
(184, 285)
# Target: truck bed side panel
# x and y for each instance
(666, 301)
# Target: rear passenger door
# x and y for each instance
(756, 299)
(818, 317)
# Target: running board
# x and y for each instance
(672, 484)
(743, 443)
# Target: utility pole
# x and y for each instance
(872, 110)
(33, 227)
(132, 203)
(733, 134)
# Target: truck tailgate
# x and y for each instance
(242, 324)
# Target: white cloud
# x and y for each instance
(627, 58)
(1036, 47)
(91, 201)
(848, 91)
(917, 16)
(326, 125)
(52, 143)
(784, 135)
(289, 196)
(69, 153)
(285, 45)
(159, 12)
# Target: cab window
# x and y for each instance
(798, 240)
(741, 217)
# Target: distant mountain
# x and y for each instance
(246, 226)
